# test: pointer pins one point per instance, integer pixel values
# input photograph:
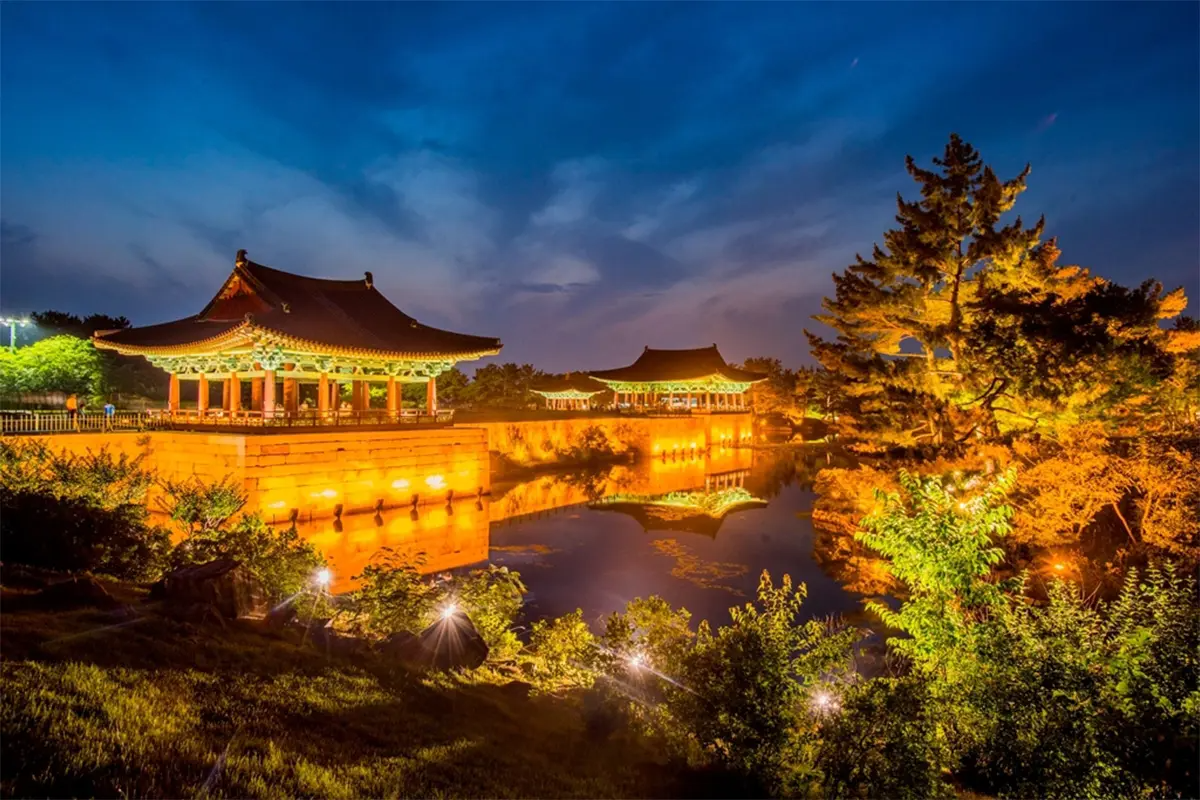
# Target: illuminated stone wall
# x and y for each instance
(536, 442)
(313, 473)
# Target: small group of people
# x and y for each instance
(73, 409)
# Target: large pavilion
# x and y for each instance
(269, 327)
(570, 392)
(698, 379)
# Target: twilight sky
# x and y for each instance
(580, 180)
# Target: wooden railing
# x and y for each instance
(36, 422)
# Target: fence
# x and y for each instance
(34, 422)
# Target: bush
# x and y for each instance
(883, 740)
(562, 652)
(492, 598)
(206, 516)
(97, 479)
(73, 535)
(736, 698)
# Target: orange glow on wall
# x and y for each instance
(400, 483)
(436, 481)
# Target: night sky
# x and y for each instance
(579, 180)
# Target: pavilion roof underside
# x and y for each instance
(701, 365)
(575, 384)
(260, 305)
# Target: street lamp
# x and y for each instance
(12, 323)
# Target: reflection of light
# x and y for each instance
(323, 577)
(656, 448)
(400, 483)
(824, 702)
(435, 481)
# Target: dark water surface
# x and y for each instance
(697, 531)
(686, 547)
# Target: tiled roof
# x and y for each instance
(677, 365)
(572, 381)
(332, 315)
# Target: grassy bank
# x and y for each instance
(162, 708)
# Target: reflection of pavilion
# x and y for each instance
(699, 511)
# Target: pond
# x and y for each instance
(697, 531)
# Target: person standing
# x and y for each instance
(73, 410)
(109, 411)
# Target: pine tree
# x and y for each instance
(902, 316)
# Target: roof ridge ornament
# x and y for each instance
(370, 280)
(240, 259)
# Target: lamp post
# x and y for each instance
(12, 323)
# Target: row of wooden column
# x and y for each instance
(568, 404)
(262, 394)
(707, 400)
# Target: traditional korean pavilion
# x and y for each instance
(570, 392)
(694, 379)
(270, 327)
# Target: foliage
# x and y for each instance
(208, 517)
(777, 394)
(492, 598)
(453, 387)
(98, 478)
(943, 548)
(591, 445)
(78, 512)
(738, 695)
(392, 596)
(61, 323)
(71, 534)
(962, 327)
(562, 652)
(57, 364)
(883, 741)
(503, 386)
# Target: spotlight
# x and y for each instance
(636, 660)
(449, 610)
(323, 577)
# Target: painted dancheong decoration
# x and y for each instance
(268, 326)
(693, 380)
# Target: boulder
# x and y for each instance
(82, 592)
(452, 642)
(224, 585)
(401, 646)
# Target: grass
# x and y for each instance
(158, 707)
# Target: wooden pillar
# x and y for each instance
(268, 394)
(335, 395)
(323, 394)
(431, 397)
(256, 394)
(356, 396)
(689, 400)
(393, 397)
(202, 395)
(225, 394)
(173, 393)
(708, 401)
(291, 391)
(235, 393)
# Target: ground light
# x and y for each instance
(449, 610)
(323, 577)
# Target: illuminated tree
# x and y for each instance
(58, 364)
(775, 395)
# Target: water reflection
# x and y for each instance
(697, 530)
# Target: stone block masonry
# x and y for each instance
(311, 474)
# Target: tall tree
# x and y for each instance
(775, 395)
(961, 326)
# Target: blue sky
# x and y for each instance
(578, 179)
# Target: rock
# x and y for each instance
(280, 617)
(452, 643)
(224, 585)
(517, 690)
(80, 592)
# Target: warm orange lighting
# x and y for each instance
(1060, 566)
(435, 481)
(326, 493)
(656, 448)
(400, 483)
(693, 445)
(277, 504)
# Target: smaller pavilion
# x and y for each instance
(570, 392)
(279, 332)
(698, 379)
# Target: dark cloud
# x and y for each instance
(613, 174)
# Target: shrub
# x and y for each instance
(492, 598)
(206, 515)
(562, 652)
(97, 479)
(392, 596)
(73, 535)
(883, 741)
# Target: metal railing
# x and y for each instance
(47, 422)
